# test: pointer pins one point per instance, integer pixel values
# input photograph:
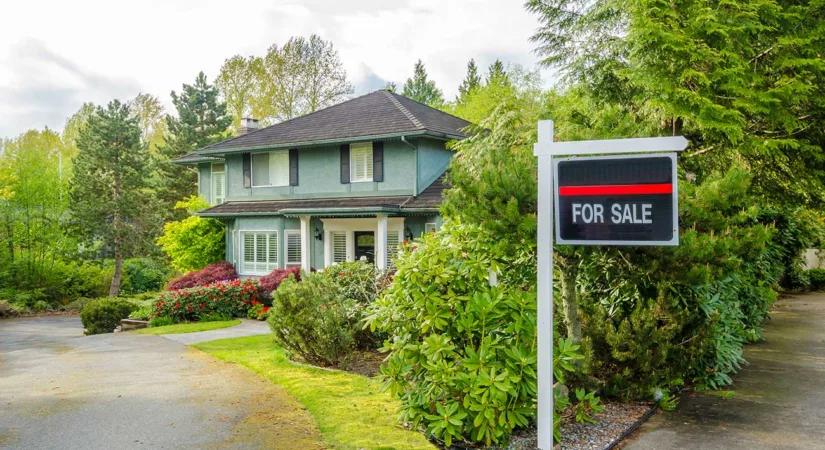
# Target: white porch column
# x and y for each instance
(327, 248)
(381, 242)
(306, 240)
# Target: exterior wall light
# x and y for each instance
(318, 234)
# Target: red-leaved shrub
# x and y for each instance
(222, 271)
(270, 282)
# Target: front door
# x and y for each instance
(365, 245)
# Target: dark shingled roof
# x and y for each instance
(379, 113)
(429, 199)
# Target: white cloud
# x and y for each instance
(55, 57)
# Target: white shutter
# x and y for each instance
(393, 242)
(279, 168)
(339, 246)
(361, 162)
(218, 183)
(272, 252)
(293, 247)
(248, 253)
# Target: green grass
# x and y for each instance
(189, 327)
(350, 410)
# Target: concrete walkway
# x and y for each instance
(61, 390)
(780, 395)
(245, 328)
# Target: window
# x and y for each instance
(270, 168)
(218, 183)
(260, 252)
(360, 162)
(293, 247)
(339, 246)
(393, 242)
(429, 227)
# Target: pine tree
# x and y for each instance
(421, 89)
(497, 75)
(202, 120)
(471, 82)
(108, 188)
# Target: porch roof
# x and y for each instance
(428, 201)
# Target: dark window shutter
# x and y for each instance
(344, 163)
(247, 170)
(377, 161)
(293, 167)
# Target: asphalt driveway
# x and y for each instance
(779, 401)
(62, 390)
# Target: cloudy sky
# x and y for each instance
(54, 55)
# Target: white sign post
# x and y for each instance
(545, 149)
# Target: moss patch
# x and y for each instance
(189, 327)
(350, 410)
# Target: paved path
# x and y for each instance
(61, 390)
(780, 396)
(245, 328)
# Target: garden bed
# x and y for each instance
(610, 424)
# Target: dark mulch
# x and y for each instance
(366, 363)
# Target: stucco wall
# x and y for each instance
(433, 159)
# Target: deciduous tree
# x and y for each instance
(236, 81)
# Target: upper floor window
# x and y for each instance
(218, 183)
(360, 162)
(270, 168)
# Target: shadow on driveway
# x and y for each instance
(780, 395)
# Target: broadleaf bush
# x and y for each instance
(231, 298)
(272, 280)
(104, 315)
(222, 271)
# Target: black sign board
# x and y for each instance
(617, 200)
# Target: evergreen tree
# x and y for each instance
(497, 75)
(471, 82)
(421, 89)
(108, 189)
(202, 120)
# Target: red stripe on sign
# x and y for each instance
(617, 189)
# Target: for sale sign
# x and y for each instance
(617, 200)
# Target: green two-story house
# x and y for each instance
(347, 182)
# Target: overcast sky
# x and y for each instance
(54, 55)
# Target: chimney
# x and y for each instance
(247, 124)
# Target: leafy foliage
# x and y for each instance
(228, 298)
(222, 271)
(143, 275)
(817, 279)
(104, 315)
(270, 282)
(462, 353)
(422, 89)
(193, 242)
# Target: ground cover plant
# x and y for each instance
(194, 327)
(351, 411)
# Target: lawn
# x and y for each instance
(350, 410)
(189, 327)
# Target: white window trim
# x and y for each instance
(252, 170)
(287, 233)
(242, 255)
(352, 171)
(431, 225)
(212, 174)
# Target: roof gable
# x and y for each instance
(379, 113)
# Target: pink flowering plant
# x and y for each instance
(227, 298)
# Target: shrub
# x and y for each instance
(271, 281)
(462, 353)
(41, 306)
(104, 315)
(258, 311)
(231, 298)
(194, 242)
(6, 310)
(142, 275)
(76, 305)
(361, 282)
(817, 279)
(85, 279)
(222, 271)
(161, 322)
(142, 313)
(311, 319)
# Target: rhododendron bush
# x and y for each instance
(231, 298)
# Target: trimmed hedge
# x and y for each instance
(104, 315)
(232, 298)
(222, 271)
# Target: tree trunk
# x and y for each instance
(115, 288)
(569, 272)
